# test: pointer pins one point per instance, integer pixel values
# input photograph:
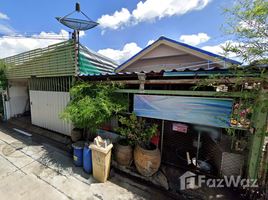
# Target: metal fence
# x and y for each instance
(212, 155)
(56, 84)
(55, 60)
(217, 153)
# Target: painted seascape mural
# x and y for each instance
(203, 111)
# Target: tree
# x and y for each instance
(247, 22)
(3, 78)
(93, 104)
(3, 86)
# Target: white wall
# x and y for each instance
(18, 96)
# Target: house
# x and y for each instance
(40, 80)
(159, 81)
(168, 54)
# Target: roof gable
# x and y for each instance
(172, 48)
(163, 50)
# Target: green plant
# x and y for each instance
(3, 78)
(123, 142)
(93, 104)
(246, 100)
(135, 130)
(246, 22)
(3, 86)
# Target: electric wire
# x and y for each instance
(29, 37)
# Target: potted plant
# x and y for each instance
(93, 104)
(76, 134)
(147, 156)
(243, 118)
(123, 152)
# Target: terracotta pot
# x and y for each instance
(147, 161)
(76, 135)
(123, 154)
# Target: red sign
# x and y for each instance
(180, 128)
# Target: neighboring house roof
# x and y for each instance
(178, 46)
(91, 62)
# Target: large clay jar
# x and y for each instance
(76, 135)
(147, 161)
(123, 153)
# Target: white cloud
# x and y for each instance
(82, 34)
(149, 10)
(250, 24)
(120, 56)
(13, 45)
(102, 32)
(152, 9)
(218, 50)
(116, 20)
(3, 16)
(214, 49)
(150, 42)
(195, 39)
(6, 29)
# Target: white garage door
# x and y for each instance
(45, 108)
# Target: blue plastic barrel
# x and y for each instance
(87, 159)
(78, 153)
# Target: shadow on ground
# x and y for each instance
(46, 161)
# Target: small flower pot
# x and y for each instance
(76, 135)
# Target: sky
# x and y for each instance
(125, 26)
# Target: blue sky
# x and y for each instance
(125, 27)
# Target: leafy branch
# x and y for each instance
(246, 21)
(135, 130)
(93, 104)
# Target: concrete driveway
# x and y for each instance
(31, 170)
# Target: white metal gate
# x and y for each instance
(45, 108)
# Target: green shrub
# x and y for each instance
(135, 130)
(94, 104)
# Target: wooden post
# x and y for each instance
(142, 77)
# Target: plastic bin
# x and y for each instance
(87, 159)
(78, 153)
(101, 161)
